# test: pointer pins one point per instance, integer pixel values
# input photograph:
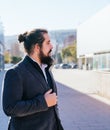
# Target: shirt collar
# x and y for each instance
(42, 66)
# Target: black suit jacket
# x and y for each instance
(23, 98)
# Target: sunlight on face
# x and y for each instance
(47, 46)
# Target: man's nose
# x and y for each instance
(51, 46)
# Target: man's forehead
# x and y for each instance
(46, 36)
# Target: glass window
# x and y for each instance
(103, 57)
(108, 61)
(95, 62)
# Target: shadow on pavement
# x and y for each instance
(79, 111)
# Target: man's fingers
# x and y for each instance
(51, 98)
(49, 91)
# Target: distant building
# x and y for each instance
(15, 50)
(11, 44)
(69, 40)
(61, 39)
(93, 42)
(1, 47)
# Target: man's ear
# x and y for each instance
(37, 48)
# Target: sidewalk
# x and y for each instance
(82, 112)
(79, 110)
(3, 117)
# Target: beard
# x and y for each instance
(46, 59)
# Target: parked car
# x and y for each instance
(74, 66)
(56, 66)
(65, 66)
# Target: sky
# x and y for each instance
(18, 16)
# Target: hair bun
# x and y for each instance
(22, 37)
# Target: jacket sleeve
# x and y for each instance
(13, 105)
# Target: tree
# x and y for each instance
(7, 56)
(69, 53)
(15, 59)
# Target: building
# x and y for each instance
(12, 45)
(69, 40)
(61, 39)
(1, 47)
(93, 41)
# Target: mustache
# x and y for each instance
(50, 51)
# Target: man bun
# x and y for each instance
(22, 37)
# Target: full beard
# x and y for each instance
(46, 59)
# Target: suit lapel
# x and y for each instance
(50, 79)
(36, 71)
(53, 82)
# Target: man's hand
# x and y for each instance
(51, 98)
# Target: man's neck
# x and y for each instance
(35, 59)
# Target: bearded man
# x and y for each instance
(29, 91)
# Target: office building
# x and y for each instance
(93, 41)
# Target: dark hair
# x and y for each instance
(31, 38)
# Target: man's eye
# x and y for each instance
(48, 43)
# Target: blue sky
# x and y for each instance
(19, 16)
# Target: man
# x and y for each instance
(30, 94)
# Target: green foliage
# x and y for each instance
(15, 59)
(7, 57)
(69, 53)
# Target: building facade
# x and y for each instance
(93, 42)
(1, 47)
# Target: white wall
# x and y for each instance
(94, 34)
